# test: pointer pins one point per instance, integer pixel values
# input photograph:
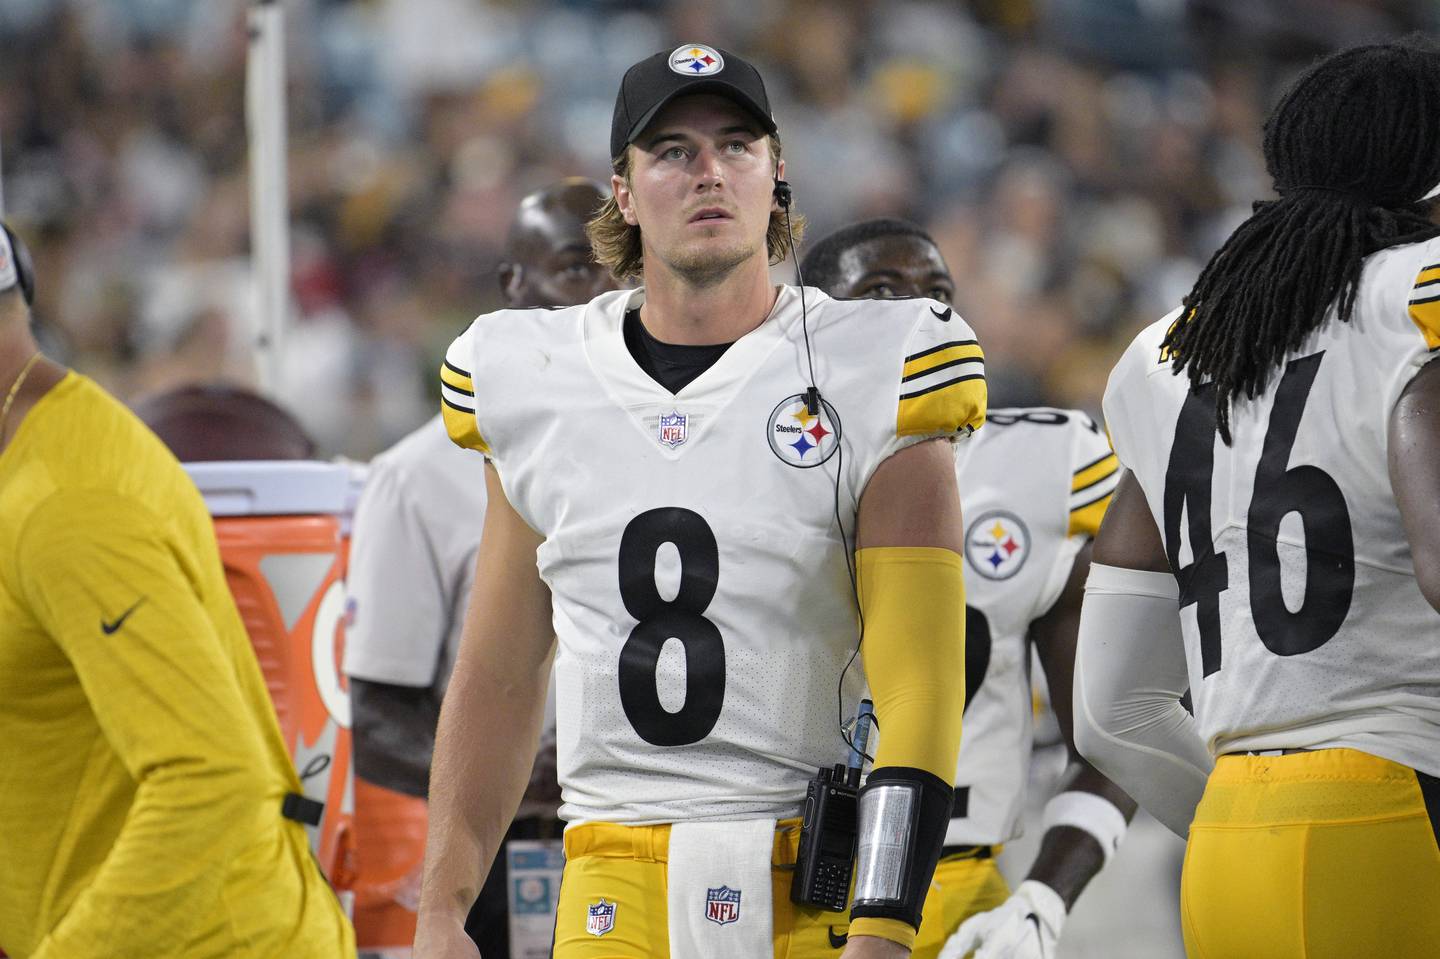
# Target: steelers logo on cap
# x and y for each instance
(997, 544)
(696, 60)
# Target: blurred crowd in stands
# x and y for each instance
(1077, 160)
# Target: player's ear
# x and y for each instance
(512, 276)
(624, 199)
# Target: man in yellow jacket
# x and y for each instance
(142, 771)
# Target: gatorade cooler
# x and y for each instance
(390, 855)
(283, 531)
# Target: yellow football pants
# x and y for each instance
(627, 867)
(1321, 855)
(963, 887)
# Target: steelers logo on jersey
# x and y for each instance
(997, 544)
(696, 60)
(800, 439)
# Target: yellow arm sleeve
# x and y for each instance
(119, 598)
(913, 601)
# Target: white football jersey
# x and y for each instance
(1034, 485)
(701, 599)
(1304, 626)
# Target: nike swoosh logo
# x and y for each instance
(838, 939)
(109, 628)
(942, 317)
(1039, 939)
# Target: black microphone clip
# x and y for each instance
(812, 401)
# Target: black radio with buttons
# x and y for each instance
(827, 841)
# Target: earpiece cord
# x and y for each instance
(814, 401)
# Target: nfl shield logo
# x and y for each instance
(673, 428)
(601, 918)
(722, 905)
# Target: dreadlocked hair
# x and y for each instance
(1352, 147)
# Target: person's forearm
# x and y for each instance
(1129, 674)
(163, 879)
(490, 720)
(1070, 856)
(484, 750)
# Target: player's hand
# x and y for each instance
(443, 940)
(1025, 926)
(873, 947)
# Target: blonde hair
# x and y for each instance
(617, 243)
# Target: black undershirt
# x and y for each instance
(672, 365)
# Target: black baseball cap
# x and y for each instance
(692, 68)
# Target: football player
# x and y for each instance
(1035, 483)
(677, 477)
(412, 560)
(1274, 543)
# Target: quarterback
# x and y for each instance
(1280, 435)
(1034, 486)
(677, 476)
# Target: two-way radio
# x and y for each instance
(828, 831)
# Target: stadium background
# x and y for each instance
(1077, 160)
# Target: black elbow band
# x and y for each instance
(904, 813)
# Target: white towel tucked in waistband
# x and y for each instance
(720, 889)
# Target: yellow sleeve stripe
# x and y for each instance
(1092, 473)
(461, 426)
(459, 416)
(941, 357)
(1085, 519)
(955, 405)
(456, 378)
(1425, 305)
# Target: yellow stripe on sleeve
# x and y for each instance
(1085, 520)
(456, 378)
(929, 362)
(954, 406)
(460, 420)
(1426, 317)
(1094, 473)
(461, 426)
(1428, 274)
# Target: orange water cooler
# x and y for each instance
(391, 829)
(283, 531)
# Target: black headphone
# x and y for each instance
(24, 266)
(783, 196)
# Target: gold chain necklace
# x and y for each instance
(15, 391)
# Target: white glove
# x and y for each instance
(1025, 926)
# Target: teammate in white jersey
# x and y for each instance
(677, 476)
(1283, 494)
(412, 558)
(1035, 484)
